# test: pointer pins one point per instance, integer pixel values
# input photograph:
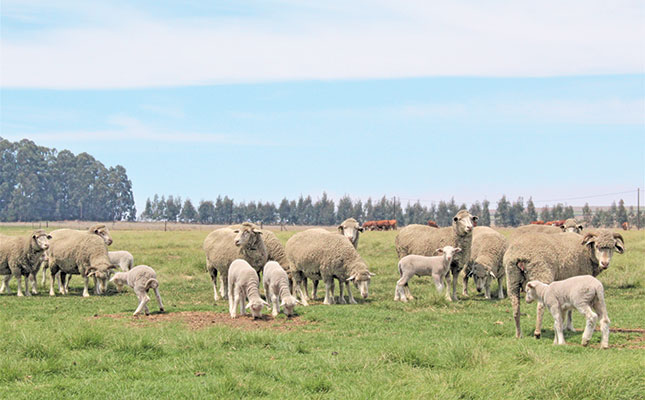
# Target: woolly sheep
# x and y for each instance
(140, 278)
(423, 240)
(584, 293)
(437, 266)
(122, 258)
(315, 254)
(548, 258)
(571, 225)
(276, 288)
(351, 229)
(243, 284)
(224, 245)
(520, 230)
(486, 261)
(77, 252)
(20, 256)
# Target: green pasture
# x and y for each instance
(65, 347)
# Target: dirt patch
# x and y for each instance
(204, 319)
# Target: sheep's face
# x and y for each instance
(245, 236)
(362, 282)
(103, 233)
(119, 279)
(481, 275)
(102, 277)
(464, 222)
(350, 229)
(42, 240)
(603, 245)
(255, 307)
(531, 293)
(289, 303)
(448, 253)
(572, 228)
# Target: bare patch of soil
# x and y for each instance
(204, 319)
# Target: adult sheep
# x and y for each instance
(548, 258)
(571, 225)
(486, 261)
(21, 256)
(320, 255)
(351, 229)
(79, 253)
(423, 240)
(224, 245)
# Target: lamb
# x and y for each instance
(243, 284)
(321, 255)
(276, 288)
(20, 256)
(84, 253)
(140, 278)
(486, 261)
(224, 245)
(437, 266)
(584, 293)
(423, 240)
(549, 257)
(122, 258)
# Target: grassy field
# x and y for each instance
(73, 347)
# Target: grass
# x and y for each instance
(65, 347)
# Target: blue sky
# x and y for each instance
(261, 100)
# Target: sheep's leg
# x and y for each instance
(5, 284)
(86, 282)
(158, 296)
(592, 319)
(297, 282)
(329, 290)
(44, 278)
(143, 301)
(213, 274)
(97, 290)
(437, 278)
(242, 297)
(61, 286)
(557, 326)
(464, 292)
(341, 296)
(19, 278)
(51, 283)
(223, 284)
(569, 326)
(538, 320)
(515, 302)
(275, 304)
(448, 280)
(455, 275)
(349, 293)
(27, 282)
(305, 282)
(500, 289)
(487, 289)
(34, 283)
(232, 306)
(601, 310)
(267, 294)
(66, 280)
(315, 285)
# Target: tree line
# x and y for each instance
(324, 211)
(42, 184)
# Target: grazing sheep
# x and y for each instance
(276, 288)
(437, 266)
(140, 278)
(243, 283)
(223, 246)
(486, 261)
(315, 254)
(571, 225)
(548, 258)
(79, 253)
(584, 293)
(21, 256)
(122, 258)
(423, 240)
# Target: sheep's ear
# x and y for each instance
(588, 239)
(620, 243)
(49, 236)
(248, 305)
(259, 232)
(113, 267)
(475, 218)
(458, 250)
(492, 274)
(563, 228)
(580, 227)
(91, 272)
(360, 229)
(530, 285)
(438, 251)
(340, 228)
(351, 278)
(265, 303)
(236, 231)
(371, 273)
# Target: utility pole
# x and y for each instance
(638, 208)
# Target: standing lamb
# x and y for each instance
(486, 261)
(315, 254)
(437, 266)
(243, 283)
(79, 253)
(140, 278)
(223, 246)
(276, 288)
(423, 240)
(548, 258)
(20, 256)
(584, 293)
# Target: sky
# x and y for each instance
(261, 100)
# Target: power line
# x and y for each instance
(585, 197)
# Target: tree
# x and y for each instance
(502, 213)
(475, 209)
(188, 212)
(173, 208)
(443, 214)
(531, 212)
(206, 212)
(545, 214)
(284, 211)
(516, 213)
(485, 217)
(621, 212)
(345, 209)
(324, 210)
(587, 214)
(147, 212)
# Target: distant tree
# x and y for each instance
(502, 213)
(173, 208)
(206, 212)
(516, 213)
(545, 214)
(587, 214)
(475, 209)
(568, 212)
(621, 212)
(358, 212)
(531, 212)
(452, 209)
(444, 218)
(147, 212)
(284, 211)
(345, 209)
(368, 210)
(324, 210)
(557, 212)
(188, 212)
(484, 220)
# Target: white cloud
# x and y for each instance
(367, 40)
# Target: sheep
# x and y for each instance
(140, 278)
(571, 225)
(122, 258)
(321, 255)
(437, 266)
(486, 261)
(423, 240)
(77, 252)
(351, 229)
(224, 245)
(243, 284)
(20, 256)
(549, 257)
(584, 293)
(520, 230)
(276, 288)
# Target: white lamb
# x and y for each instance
(243, 283)
(140, 278)
(437, 266)
(123, 259)
(276, 288)
(584, 293)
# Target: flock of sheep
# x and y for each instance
(555, 265)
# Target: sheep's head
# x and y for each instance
(571, 225)
(256, 306)
(102, 276)
(481, 274)
(247, 235)
(361, 278)
(350, 228)
(101, 231)
(602, 244)
(464, 222)
(289, 303)
(531, 293)
(41, 239)
(448, 253)
(120, 279)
